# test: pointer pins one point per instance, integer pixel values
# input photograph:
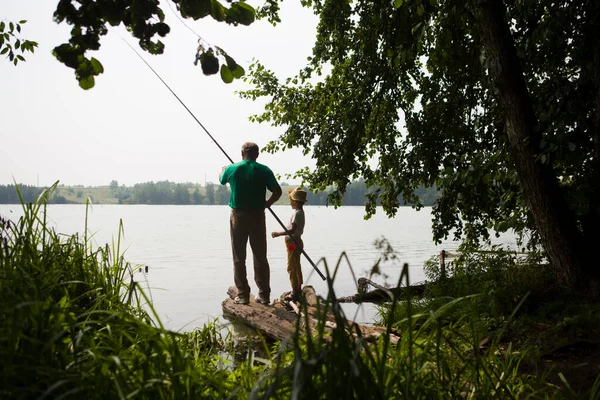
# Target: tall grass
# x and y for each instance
(436, 358)
(70, 325)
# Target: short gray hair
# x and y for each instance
(250, 149)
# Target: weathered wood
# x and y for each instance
(275, 321)
(381, 294)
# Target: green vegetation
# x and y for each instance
(495, 102)
(12, 45)
(71, 325)
(144, 19)
(165, 192)
(74, 324)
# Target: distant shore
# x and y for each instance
(165, 192)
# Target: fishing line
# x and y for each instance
(223, 151)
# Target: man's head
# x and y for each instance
(249, 151)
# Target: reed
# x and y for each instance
(74, 324)
(437, 358)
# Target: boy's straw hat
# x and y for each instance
(298, 194)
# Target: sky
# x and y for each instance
(129, 127)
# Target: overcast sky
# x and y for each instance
(129, 127)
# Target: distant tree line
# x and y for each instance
(356, 194)
(9, 195)
(165, 192)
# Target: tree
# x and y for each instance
(210, 193)
(145, 20)
(11, 42)
(114, 185)
(197, 197)
(497, 103)
(9, 194)
(222, 195)
(181, 194)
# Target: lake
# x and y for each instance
(188, 254)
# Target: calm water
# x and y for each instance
(187, 250)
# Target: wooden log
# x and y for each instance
(381, 295)
(277, 322)
(273, 322)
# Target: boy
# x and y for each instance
(294, 246)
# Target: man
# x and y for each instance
(249, 182)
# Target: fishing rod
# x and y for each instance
(226, 155)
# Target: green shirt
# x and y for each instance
(249, 182)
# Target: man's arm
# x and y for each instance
(221, 180)
(275, 195)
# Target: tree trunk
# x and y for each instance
(552, 217)
(591, 229)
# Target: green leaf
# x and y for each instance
(398, 3)
(226, 74)
(217, 11)
(195, 8)
(97, 66)
(2, 26)
(230, 62)
(87, 83)
(4, 51)
(238, 72)
(209, 63)
(242, 13)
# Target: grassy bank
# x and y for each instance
(74, 324)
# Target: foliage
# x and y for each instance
(144, 19)
(11, 42)
(500, 279)
(432, 360)
(9, 194)
(357, 193)
(504, 299)
(210, 193)
(406, 93)
(74, 323)
(222, 195)
(165, 192)
(498, 276)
